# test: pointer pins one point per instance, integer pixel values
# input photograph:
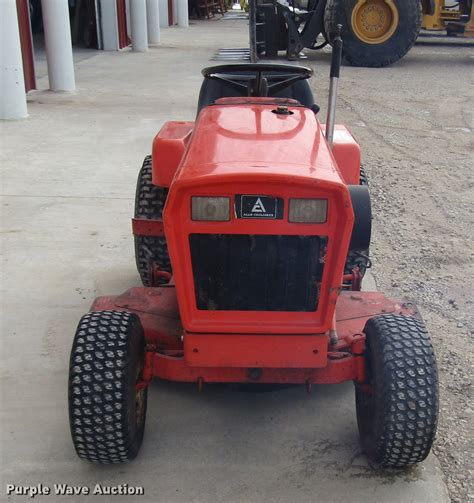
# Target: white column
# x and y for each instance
(163, 13)
(183, 16)
(12, 82)
(57, 39)
(153, 21)
(109, 25)
(139, 25)
(175, 12)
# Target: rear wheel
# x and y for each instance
(106, 411)
(397, 409)
(358, 259)
(363, 178)
(150, 252)
(375, 32)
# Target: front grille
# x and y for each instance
(239, 272)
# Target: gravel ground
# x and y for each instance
(414, 122)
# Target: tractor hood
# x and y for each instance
(256, 269)
(253, 140)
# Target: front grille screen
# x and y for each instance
(239, 272)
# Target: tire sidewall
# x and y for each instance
(396, 46)
(136, 351)
(371, 425)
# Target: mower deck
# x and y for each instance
(175, 355)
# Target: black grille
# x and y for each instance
(237, 272)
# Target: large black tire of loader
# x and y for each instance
(397, 410)
(355, 258)
(106, 412)
(359, 53)
(149, 203)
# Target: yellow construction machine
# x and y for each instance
(375, 32)
(456, 19)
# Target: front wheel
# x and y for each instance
(106, 410)
(397, 407)
(375, 32)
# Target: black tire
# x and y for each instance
(106, 412)
(356, 258)
(363, 178)
(149, 203)
(397, 419)
(359, 53)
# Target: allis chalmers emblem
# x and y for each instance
(257, 207)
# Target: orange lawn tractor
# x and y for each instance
(252, 229)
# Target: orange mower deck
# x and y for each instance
(174, 355)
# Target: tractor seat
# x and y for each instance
(212, 90)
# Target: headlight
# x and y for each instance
(215, 209)
(310, 211)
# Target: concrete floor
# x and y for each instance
(68, 182)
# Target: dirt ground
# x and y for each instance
(414, 122)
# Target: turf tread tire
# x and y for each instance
(363, 178)
(149, 204)
(106, 358)
(397, 421)
(358, 53)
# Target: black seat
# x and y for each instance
(212, 90)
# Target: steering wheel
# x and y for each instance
(257, 79)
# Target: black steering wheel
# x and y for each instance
(257, 79)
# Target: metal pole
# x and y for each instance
(334, 76)
(183, 15)
(139, 25)
(253, 30)
(331, 115)
(12, 82)
(153, 21)
(57, 39)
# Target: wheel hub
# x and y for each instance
(374, 21)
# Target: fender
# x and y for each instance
(346, 152)
(360, 198)
(168, 149)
